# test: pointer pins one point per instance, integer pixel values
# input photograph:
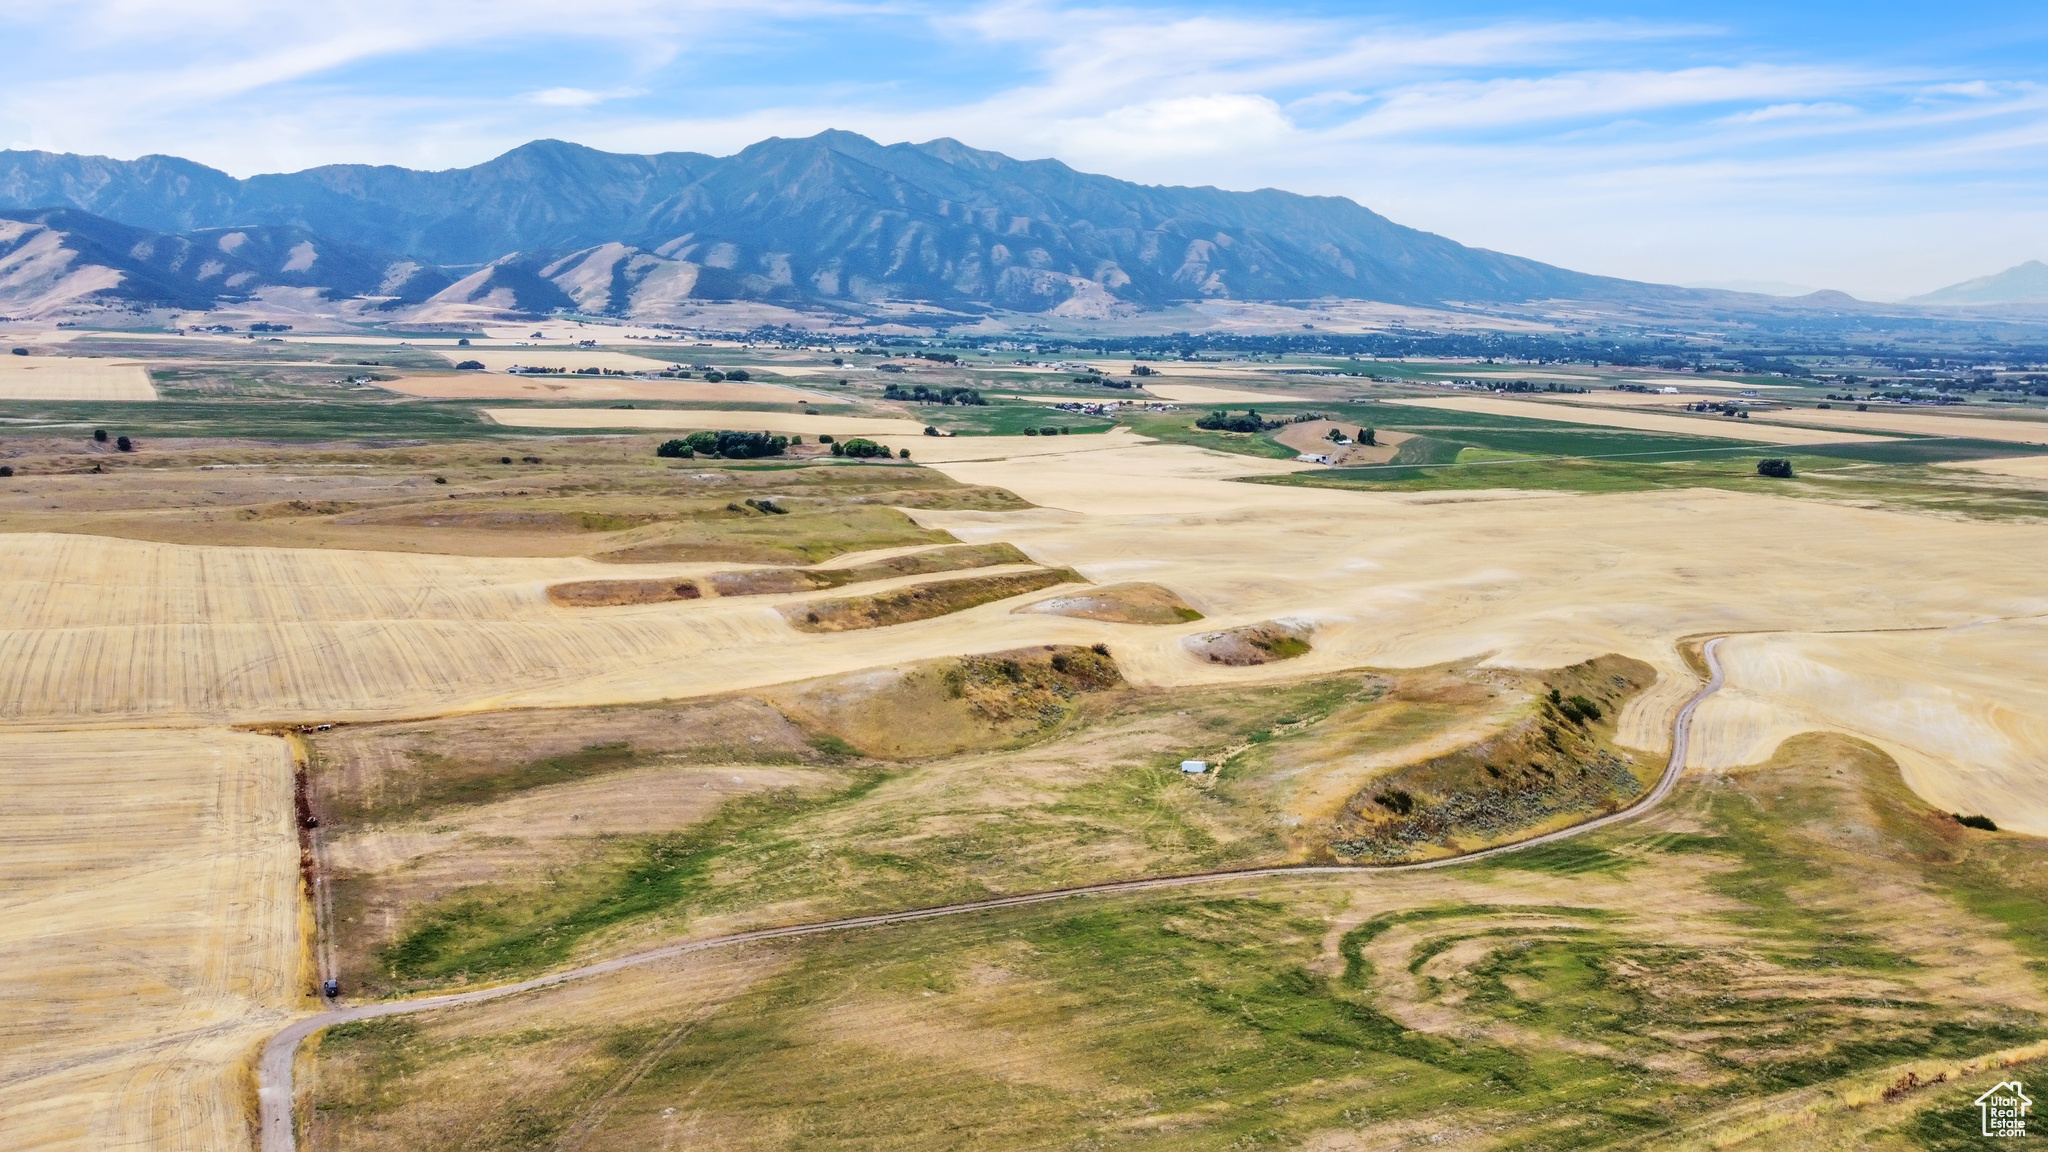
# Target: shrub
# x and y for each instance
(1775, 467)
(21, 351)
(462, 343)
(6, 470)
(504, 459)
(1577, 709)
(676, 450)
(471, 365)
(824, 440)
(1369, 437)
(901, 453)
(440, 479)
(1048, 431)
(861, 448)
(839, 449)
(99, 435)
(713, 377)
(1981, 823)
(1396, 801)
(1031, 431)
(124, 444)
(930, 431)
(738, 374)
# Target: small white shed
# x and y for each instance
(1194, 767)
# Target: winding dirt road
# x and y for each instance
(274, 1071)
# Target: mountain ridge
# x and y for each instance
(833, 218)
(2025, 283)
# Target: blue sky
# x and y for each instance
(1884, 149)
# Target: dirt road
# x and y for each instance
(274, 1072)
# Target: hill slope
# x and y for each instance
(2021, 284)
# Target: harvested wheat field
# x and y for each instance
(1964, 710)
(494, 386)
(681, 420)
(2024, 467)
(73, 378)
(1386, 580)
(152, 935)
(1702, 425)
(2017, 429)
(1205, 394)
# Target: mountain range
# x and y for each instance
(831, 219)
(834, 221)
(2021, 284)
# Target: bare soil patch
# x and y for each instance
(1121, 604)
(1249, 644)
(920, 601)
(617, 593)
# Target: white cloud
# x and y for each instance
(578, 97)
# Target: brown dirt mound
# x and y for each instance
(765, 582)
(1261, 643)
(1121, 604)
(613, 593)
(946, 707)
(920, 601)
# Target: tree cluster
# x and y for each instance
(725, 443)
(1251, 421)
(1775, 467)
(925, 394)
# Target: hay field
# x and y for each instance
(151, 936)
(73, 378)
(1204, 394)
(1720, 426)
(482, 386)
(2018, 430)
(677, 419)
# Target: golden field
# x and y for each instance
(73, 378)
(152, 933)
